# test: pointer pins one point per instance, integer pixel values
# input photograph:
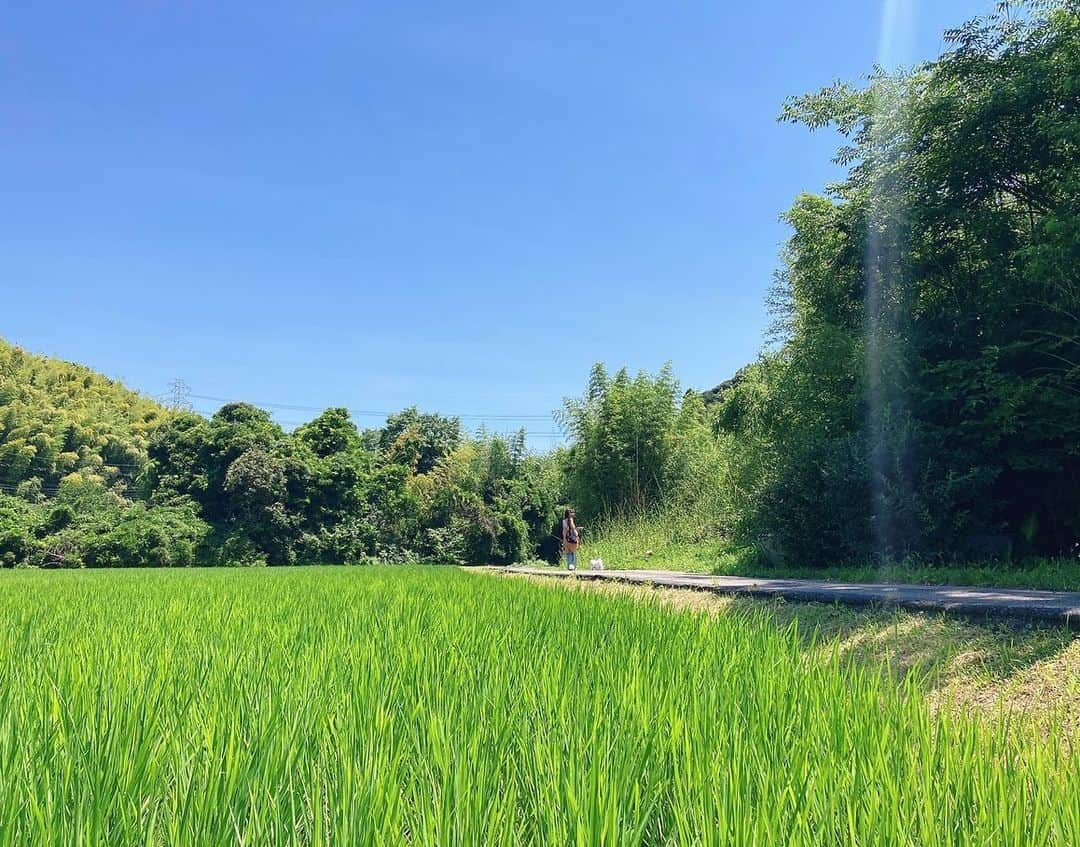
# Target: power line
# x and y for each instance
(368, 413)
(50, 491)
(180, 396)
(479, 420)
(42, 463)
(505, 433)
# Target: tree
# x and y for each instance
(332, 432)
(419, 440)
(925, 386)
(626, 455)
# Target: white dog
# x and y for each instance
(596, 564)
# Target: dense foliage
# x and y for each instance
(925, 393)
(59, 420)
(920, 391)
(236, 488)
(320, 494)
(636, 443)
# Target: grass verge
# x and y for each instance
(662, 545)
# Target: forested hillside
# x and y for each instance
(59, 419)
(97, 475)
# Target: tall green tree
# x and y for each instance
(418, 440)
(925, 386)
(626, 452)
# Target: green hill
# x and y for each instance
(93, 474)
(58, 418)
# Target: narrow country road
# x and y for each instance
(1051, 606)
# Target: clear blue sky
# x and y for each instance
(459, 205)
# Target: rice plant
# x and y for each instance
(437, 707)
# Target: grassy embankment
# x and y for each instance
(676, 543)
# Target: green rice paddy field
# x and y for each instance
(434, 706)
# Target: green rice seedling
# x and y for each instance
(374, 706)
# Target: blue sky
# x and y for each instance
(458, 205)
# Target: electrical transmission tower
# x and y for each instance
(178, 397)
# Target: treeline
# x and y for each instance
(95, 475)
(925, 394)
(416, 489)
(920, 393)
(237, 489)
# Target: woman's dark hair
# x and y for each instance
(568, 514)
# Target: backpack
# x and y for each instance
(571, 533)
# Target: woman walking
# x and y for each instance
(570, 539)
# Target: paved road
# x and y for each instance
(1060, 606)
